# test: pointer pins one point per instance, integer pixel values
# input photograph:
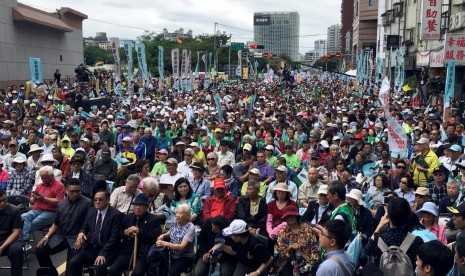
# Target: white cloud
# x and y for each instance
(199, 16)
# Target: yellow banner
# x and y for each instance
(245, 73)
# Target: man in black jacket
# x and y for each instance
(318, 211)
(76, 172)
(252, 208)
(99, 237)
(68, 221)
(147, 228)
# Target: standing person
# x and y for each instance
(57, 77)
(333, 237)
(424, 162)
(70, 217)
(11, 244)
(424, 85)
(44, 201)
(102, 230)
(253, 258)
(342, 211)
(146, 228)
(434, 259)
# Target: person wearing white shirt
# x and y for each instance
(184, 168)
(225, 157)
(281, 177)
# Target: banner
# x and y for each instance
(449, 91)
(175, 66)
(35, 68)
(115, 44)
(454, 48)
(206, 83)
(397, 138)
(127, 45)
(430, 20)
(189, 71)
(239, 64)
(245, 73)
(196, 72)
(252, 102)
(436, 59)
(161, 65)
(140, 50)
(217, 99)
(184, 69)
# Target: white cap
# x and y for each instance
(237, 226)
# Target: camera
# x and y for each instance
(386, 200)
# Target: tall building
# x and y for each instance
(178, 34)
(333, 41)
(311, 56)
(365, 24)
(278, 32)
(347, 16)
(320, 47)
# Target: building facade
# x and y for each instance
(278, 32)
(55, 38)
(364, 25)
(100, 39)
(347, 16)
(176, 34)
(320, 47)
(333, 41)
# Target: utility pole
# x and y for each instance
(214, 45)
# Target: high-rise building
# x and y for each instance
(347, 16)
(320, 47)
(333, 41)
(278, 32)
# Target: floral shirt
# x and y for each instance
(307, 240)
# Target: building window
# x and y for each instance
(371, 2)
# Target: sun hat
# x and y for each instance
(428, 207)
(48, 158)
(323, 190)
(34, 147)
(290, 211)
(357, 195)
(281, 187)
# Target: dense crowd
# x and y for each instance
(245, 178)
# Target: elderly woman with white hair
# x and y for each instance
(157, 199)
(181, 246)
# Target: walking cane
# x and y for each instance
(132, 262)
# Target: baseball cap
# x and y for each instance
(218, 183)
(459, 210)
(172, 161)
(255, 171)
(106, 151)
(248, 147)
(315, 155)
(281, 168)
(237, 226)
(455, 148)
(163, 151)
(422, 141)
(422, 191)
(323, 190)
(269, 147)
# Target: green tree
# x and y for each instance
(92, 54)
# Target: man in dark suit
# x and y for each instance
(147, 228)
(99, 237)
(68, 221)
(318, 211)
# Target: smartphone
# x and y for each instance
(36, 193)
(386, 200)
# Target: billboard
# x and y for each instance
(454, 48)
(430, 20)
(261, 20)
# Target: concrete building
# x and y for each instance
(364, 25)
(278, 32)
(55, 38)
(311, 56)
(176, 34)
(100, 40)
(333, 41)
(320, 47)
(347, 17)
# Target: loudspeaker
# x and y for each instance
(392, 41)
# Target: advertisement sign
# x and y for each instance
(422, 59)
(430, 19)
(436, 59)
(261, 20)
(454, 48)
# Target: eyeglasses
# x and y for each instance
(210, 159)
(328, 236)
(420, 196)
(98, 199)
(401, 167)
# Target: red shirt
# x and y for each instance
(56, 189)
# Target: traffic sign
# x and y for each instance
(338, 54)
(257, 55)
(236, 46)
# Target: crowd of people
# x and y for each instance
(258, 178)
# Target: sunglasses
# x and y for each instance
(400, 167)
(403, 182)
(420, 196)
(210, 159)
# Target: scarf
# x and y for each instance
(229, 181)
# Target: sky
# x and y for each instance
(128, 19)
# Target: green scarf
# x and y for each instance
(345, 209)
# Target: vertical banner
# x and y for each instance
(35, 68)
(140, 48)
(206, 82)
(397, 138)
(161, 67)
(115, 44)
(196, 72)
(379, 69)
(127, 45)
(449, 91)
(252, 102)
(189, 79)
(210, 76)
(217, 99)
(175, 65)
(245, 73)
(184, 69)
(430, 19)
(239, 64)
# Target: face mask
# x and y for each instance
(205, 145)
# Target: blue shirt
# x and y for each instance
(139, 150)
(201, 188)
(332, 268)
(150, 145)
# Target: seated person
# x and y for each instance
(198, 182)
(254, 174)
(318, 211)
(281, 177)
(11, 244)
(183, 194)
(275, 209)
(105, 168)
(231, 184)
(122, 197)
(252, 209)
(219, 203)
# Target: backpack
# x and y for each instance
(394, 260)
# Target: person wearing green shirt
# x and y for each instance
(254, 174)
(342, 211)
(160, 167)
(269, 149)
(292, 160)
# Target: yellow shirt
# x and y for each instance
(262, 192)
